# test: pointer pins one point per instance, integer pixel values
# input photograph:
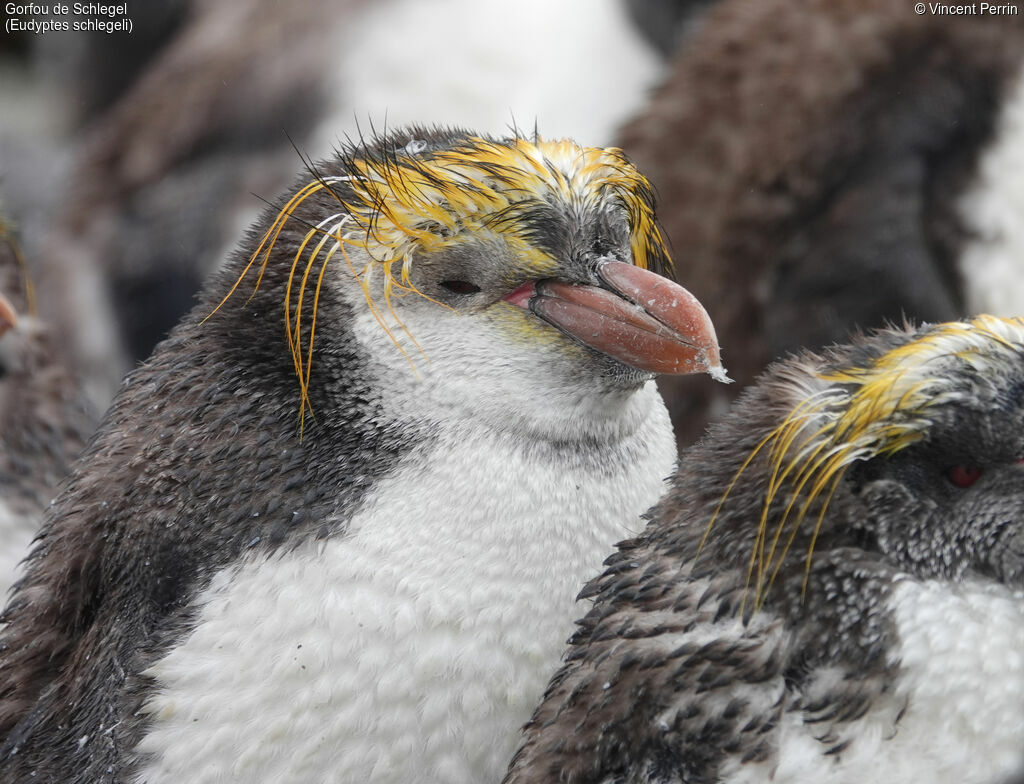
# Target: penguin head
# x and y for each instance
(906, 447)
(508, 279)
(944, 498)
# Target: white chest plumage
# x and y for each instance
(415, 646)
(957, 713)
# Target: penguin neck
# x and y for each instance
(596, 418)
(570, 413)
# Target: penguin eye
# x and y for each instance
(963, 476)
(460, 286)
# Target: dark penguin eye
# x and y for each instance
(963, 476)
(460, 286)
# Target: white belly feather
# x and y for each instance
(959, 700)
(414, 647)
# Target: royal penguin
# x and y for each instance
(832, 591)
(334, 528)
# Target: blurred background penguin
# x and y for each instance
(829, 165)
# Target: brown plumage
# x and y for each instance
(807, 157)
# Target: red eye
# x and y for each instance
(963, 476)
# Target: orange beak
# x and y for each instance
(642, 319)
